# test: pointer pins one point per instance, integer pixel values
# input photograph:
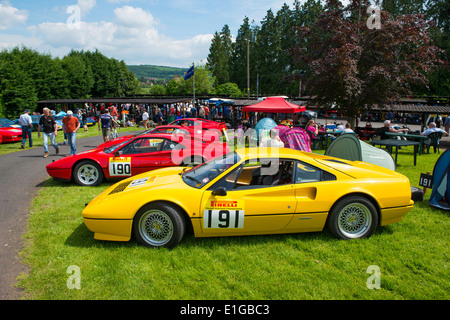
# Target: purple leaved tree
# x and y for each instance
(357, 57)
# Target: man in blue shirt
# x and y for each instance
(432, 128)
(105, 124)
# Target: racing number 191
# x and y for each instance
(224, 219)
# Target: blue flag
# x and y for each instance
(189, 74)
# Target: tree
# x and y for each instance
(158, 90)
(244, 44)
(204, 82)
(127, 80)
(228, 89)
(268, 51)
(402, 7)
(173, 87)
(16, 85)
(217, 60)
(82, 78)
(18, 94)
(356, 67)
(220, 55)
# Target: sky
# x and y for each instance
(173, 33)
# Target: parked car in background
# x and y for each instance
(139, 154)
(6, 123)
(200, 122)
(191, 131)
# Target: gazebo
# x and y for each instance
(274, 105)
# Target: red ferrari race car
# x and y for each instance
(192, 131)
(197, 122)
(139, 154)
(8, 133)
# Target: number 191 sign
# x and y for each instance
(226, 214)
(426, 180)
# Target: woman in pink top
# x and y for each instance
(313, 127)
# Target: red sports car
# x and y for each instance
(139, 154)
(194, 132)
(197, 122)
(9, 133)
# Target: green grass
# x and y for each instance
(412, 256)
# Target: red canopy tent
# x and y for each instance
(274, 105)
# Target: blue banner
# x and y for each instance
(189, 74)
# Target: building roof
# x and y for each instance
(116, 101)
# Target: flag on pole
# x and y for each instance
(189, 73)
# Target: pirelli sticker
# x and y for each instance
(223, 214)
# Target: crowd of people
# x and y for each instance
(158, 114)
(109, 115)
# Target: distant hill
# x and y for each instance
(156, 72)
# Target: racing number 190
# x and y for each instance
(224, 219)
(121, 168)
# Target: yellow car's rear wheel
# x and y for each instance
(352, 218)
(159, 225)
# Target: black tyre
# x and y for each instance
(416, 194)
(353, 218)
(88, 174)
(159, 225)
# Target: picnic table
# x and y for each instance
(413, 137)
(391, 143)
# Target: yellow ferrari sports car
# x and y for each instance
(251, 191)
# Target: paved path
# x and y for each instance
(21, 175)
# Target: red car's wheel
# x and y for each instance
(88, 174)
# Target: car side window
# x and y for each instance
(305, 173)
(258, 173)
(169, 145)
(143, 145)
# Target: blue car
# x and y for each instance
(6, 123)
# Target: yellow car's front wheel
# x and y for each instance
(159, 225)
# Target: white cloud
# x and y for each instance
(86, 6)
(134, 17)
(88, 36)
(132, 35)
(138, 38)
(10, 16)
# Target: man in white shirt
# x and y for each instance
(145, 119)
(432, 128)
(348, 129)
(26, 122)
(274, 140)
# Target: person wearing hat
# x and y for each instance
(70, 127)
(26, 122)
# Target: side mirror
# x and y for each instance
(221, 191)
